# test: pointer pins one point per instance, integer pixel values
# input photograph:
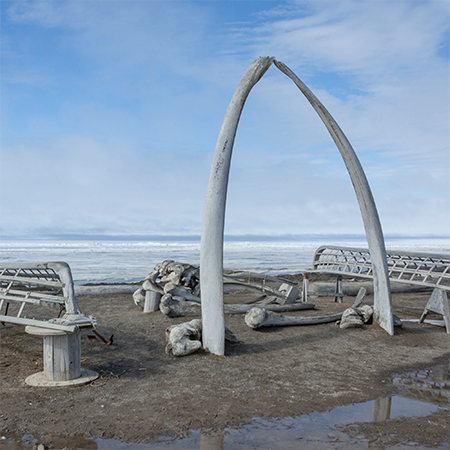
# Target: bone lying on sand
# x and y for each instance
(173, 306)
(258, 317)
(186, 338)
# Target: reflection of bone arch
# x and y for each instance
(211, 253)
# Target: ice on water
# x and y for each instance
(114, 261)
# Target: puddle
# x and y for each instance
(429, 385)
(421, 393)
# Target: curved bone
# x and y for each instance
(211, 251)
(372, 225)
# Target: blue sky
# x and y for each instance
(111, 112)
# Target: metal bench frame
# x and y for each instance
(50, 284)
(422, 269)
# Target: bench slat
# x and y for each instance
(35, 297)
(32, 281)
(424, 269)
(37, 323)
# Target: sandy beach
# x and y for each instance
(143, 393)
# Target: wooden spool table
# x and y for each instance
(62, 359)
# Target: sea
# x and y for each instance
(118, 261)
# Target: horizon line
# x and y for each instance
(197, 237)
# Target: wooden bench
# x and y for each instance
(47, 284)
(423, 269)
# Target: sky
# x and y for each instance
(110, 112)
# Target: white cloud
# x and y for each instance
(120, 123)
(156, 39)
(398, 119)
(81, 185)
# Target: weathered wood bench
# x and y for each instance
(47, 284)
(422, 269)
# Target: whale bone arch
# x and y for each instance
(211, 249)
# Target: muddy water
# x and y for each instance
(421, 393)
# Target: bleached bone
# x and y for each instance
(170, 271)
(356, 317)
(291, 292)
(150, 285)
(177, 306)
(254, 275)
(286, 293)
(147, 299)
(258, 317)
(139, 297)
(180, 291)
(173, 306)
(366, 312)
(184, 338)
(152, 300)
(382, 292)
(182, 280)
(211, 251)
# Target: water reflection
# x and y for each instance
(11, 441)
(213, 441)
(382, 409)
(422, 393)
(314, 431)
(429, 385)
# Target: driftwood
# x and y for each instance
(261, 317)
(173, 306)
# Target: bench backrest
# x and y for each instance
(47, 283)
(425, 269)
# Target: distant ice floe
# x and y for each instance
(128, 261)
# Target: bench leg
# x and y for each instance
(339, 296)
(305, 287)
(62, 359)
(62, 356)
(438, 303)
